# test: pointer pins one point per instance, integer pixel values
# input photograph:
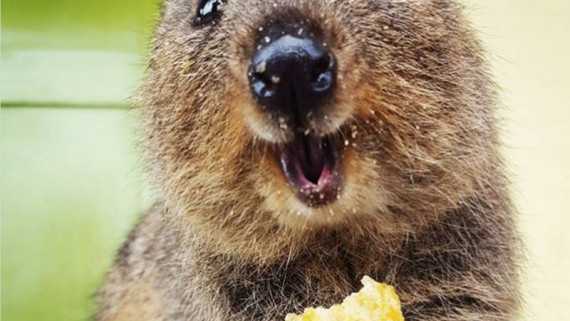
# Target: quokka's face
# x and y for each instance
(317, 113)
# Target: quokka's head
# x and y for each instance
(279, 116)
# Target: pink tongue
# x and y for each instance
(311, 157)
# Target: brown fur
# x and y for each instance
(424, 206)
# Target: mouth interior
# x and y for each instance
(310, 153)
(308, 161)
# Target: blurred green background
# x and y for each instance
(70, 173)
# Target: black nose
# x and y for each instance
(292, 75)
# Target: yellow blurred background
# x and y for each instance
(71, 179)
(529, 45)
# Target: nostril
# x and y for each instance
(322, 65)
(262, 84)
(324, 82)
(262, 89)
(322, 75)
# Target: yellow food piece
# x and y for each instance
(374, 302)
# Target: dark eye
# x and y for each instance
(208, 10)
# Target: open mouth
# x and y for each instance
(310, 164)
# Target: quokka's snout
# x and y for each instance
(293, 77)
(292, 73)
